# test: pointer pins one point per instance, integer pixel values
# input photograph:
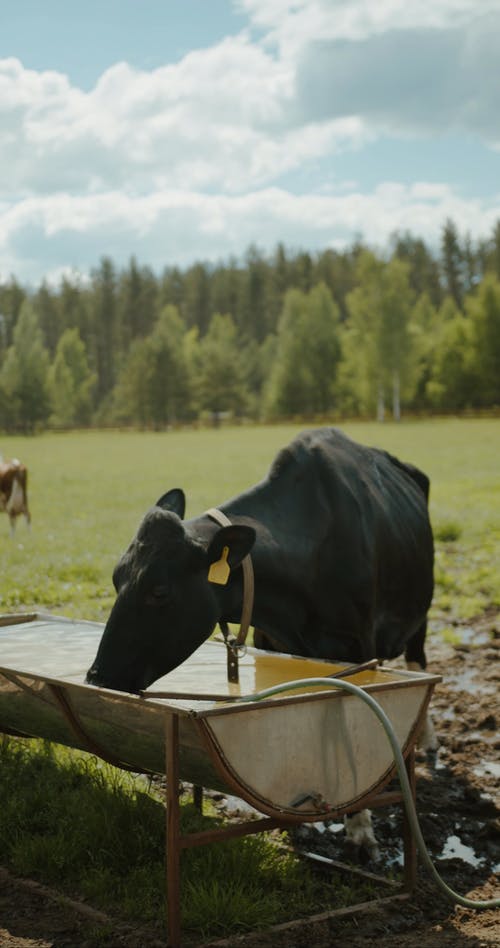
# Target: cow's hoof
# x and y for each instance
(428, 741)
(360, 843)
(364, 855)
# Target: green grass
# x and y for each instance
(99, 833)
(89, 490)
(71, 822)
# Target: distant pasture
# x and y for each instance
(88, 491)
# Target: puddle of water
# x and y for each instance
(322, 827)
(465, 680)
(448, 714)
(454, 848)
(487, 737)
(335, 827)
(469, 681)
(487, 797)
(397, 859)
(489, 768)
(468, 635)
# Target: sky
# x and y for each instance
(176, 131)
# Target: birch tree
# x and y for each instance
(304, 375)
(380, 308)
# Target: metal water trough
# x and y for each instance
(297, 757)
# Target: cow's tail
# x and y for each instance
(21, 476)
(415, 647)
(18, 500)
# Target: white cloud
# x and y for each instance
(169, 227)
(218, 119)
(420, 80)
(398, 66)
(291, 24)
(209, 119)
(189, 160)
(238, 116)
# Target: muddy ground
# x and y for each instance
(457, 801)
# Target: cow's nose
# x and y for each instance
(91, 677)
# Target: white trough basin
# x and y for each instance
(291, 756)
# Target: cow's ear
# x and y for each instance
(174, 500)
(227, 549)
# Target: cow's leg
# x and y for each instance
(416, 661)
(359, 835)
(414, 652)
(427, 740)
(12, 519)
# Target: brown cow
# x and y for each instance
(13, 491)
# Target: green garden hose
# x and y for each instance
(400, 766)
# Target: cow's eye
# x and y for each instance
(158, 596)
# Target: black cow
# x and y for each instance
(342, 551)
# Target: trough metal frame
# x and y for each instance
(176, 842)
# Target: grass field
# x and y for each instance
(88, 492)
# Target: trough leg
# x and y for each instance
(198, 797)
(173, 832)
(409, 846)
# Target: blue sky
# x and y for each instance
(179, 130)
(82, 39)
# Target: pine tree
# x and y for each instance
(71, 382)
(304, 376)
(452, 260)
(23, 377)
(484, 311)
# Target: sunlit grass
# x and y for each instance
(89, 490)
(71, 821)
(99, 833)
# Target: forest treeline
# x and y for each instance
(339, 333)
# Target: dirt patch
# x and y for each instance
(457, 802)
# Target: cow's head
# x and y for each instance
(166, 606)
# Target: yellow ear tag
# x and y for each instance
(219, 571)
